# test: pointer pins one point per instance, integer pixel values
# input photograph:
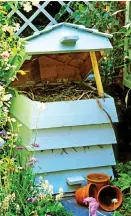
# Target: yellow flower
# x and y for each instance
(17, 27)
(1, 88)
(19, 125)
(44, 186)
(1, 162)
(13, 119)
(107, 8)
(105, 58)
(35, 3)
(43, 196)
(58, 197)
(6, 97)
(60, 190)
(8, 28)
(27, 7)
(22, 72)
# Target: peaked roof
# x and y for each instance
(78, 27)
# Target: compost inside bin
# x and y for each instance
(58, 77)
(59, 92)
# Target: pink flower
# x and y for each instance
(5, 55)
(88, 200)
(30, 164)
(32, 159)
(93, 205)
(93, 209)
(36, 145)
(32, 200)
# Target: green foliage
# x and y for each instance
(126, 205)
(108, 17)
(124, 168)
(124, 183)
(124, 176)
(20, 196)
(10, 45)
(116, 213)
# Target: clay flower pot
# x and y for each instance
(109, 198)
(87, 191)
(99, 179)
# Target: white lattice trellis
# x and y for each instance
(41, 8)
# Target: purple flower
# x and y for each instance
(31, 161)
(93, 208)
(36, 145)
(93, 205)
(3, 132)
(20, 147)
(30, 164)
(88, 200)
(32, 200)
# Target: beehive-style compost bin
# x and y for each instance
(75, 136)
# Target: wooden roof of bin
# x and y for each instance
(48, 41)
(57, 60)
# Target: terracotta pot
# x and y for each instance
(99, 179)
(106, 195)
(87, 191)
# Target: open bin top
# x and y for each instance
(62, 51)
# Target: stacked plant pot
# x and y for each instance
(109, 197)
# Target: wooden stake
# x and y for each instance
(97, 74)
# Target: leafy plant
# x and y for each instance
(124, 168)
(108, 17)
(123, 181)
(126, 205)
(116, 213)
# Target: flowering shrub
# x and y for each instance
(30, 199)
(11, 45)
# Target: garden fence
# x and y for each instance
(28, 19)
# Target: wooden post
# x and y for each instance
(97, 74)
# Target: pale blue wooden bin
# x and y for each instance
(72, 124)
